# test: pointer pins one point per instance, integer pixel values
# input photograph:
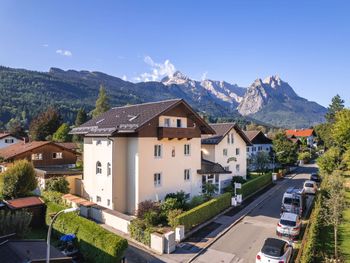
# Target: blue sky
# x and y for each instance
(306, 43)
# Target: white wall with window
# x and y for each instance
(171, 121)
(37, 156)
(7, 141)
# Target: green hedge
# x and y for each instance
(95, 243)
(203, 212)
(255, 185)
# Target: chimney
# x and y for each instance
(25, 140)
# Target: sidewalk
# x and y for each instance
(203, 237)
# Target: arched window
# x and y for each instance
(98, 167)
(109, 169)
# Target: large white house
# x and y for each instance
(260, 143)
(7, 139)
(142, 152)
(228, 148)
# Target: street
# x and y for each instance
(244, 240)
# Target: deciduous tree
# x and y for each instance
(286, 149)
(45, 124)
(62, 134)
(341, 128)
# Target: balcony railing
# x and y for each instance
(178, 133)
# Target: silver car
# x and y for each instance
(289, 226)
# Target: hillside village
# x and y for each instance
(154, 174)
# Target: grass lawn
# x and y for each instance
(344, 231)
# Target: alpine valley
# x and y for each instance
(25, 93)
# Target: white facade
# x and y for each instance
(7, 141)
(231, 153)
(136, 174)
(251, 150)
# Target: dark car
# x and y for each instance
(315, 177)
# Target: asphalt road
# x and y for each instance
(244, 241)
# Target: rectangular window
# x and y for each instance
(157, 177)
(158, 151)
(108, 202)
(237, 151)
(178, 123)
(248, 149)
(37, 156)
(57, 155)
(9, 140)
(228, 138)
(259, 148)
(232, 138)
(187, 196)
(237, 167)
(227, 168)
(109, 169)
(187, 149)
(224, 152)
(187, 174)
(98, 199)
(98, 142)
(167, 122)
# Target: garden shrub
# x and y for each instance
(146, 206)
(57, 184)
(52, 196)
(140, 231)
(196, 201)
(95, 243)
(203, 212)
(304, 156)
(15, 222)
(172, 217)
(255, 185)
(152, 218)
(180, 198)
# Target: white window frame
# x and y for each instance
(232, 138)
(59, 155)
(187, 149)
(98, 142)
(157, 151)
(109, 169)
(177, 126)
(157, 179)
(227, 168)
(167, 122)
(187, 175)
(108, 202)
(98, 168)
(238, 151)
(37, 156)
(9, 141)
(237, 167)
(228, 139)
(98, 199)
(224, 152)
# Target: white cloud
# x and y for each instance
(204, 76)
(125, 78)
(62, 52)
(45, 45)
(158, 70)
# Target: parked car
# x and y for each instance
(315, 177)
(310, 187)
(289, 226)
(294, 201)
(275, 251)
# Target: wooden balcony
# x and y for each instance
(178, 133)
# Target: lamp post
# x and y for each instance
(69, 210)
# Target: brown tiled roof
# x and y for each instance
(257, 137)
(221, 129)
(208, 167)
(24, 202)
(21, 147)
(69, 145)
(130, 119)
(4, 134)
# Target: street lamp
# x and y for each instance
(65, 211)
(274, 156)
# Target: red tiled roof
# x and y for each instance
(300, 133)
(24, 202)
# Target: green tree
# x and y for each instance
(45, 124)
(329, 161)
(341, 128)
(286, 149)
(16, 127)
(209, 190)
(62, 134)
(57, 184)
(19, 180)
(336, 105)
(102, 104)
(81, 117)
(260, 161)
(324, 134)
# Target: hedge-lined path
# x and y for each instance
(241, 241)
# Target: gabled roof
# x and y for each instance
(221, 129)
(19, 148)
(208, 167)
(257, 137)
(5, 134)
(300, 133)
(24, 202)
(132, 118)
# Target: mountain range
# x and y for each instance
(25, 93)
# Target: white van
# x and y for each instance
(294, 201)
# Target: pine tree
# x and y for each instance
(102, 104)
(81, 117)
(336, 105)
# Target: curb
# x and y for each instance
(237, 221)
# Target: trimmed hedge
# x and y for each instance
(255, 185)
(94, 242)
(203, 212)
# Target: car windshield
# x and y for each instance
(291, 201)
(309, 185)
(272, 251)
(287, 222)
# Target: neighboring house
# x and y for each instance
(260, 143)
(228, 149)
(307, 134)
(142, 152)
(49, 160)
(7, 139)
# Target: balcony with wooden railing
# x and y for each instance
(178, 133)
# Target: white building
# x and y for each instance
(142, 152)
(7, 139)
(227, 148)
(260, 143)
